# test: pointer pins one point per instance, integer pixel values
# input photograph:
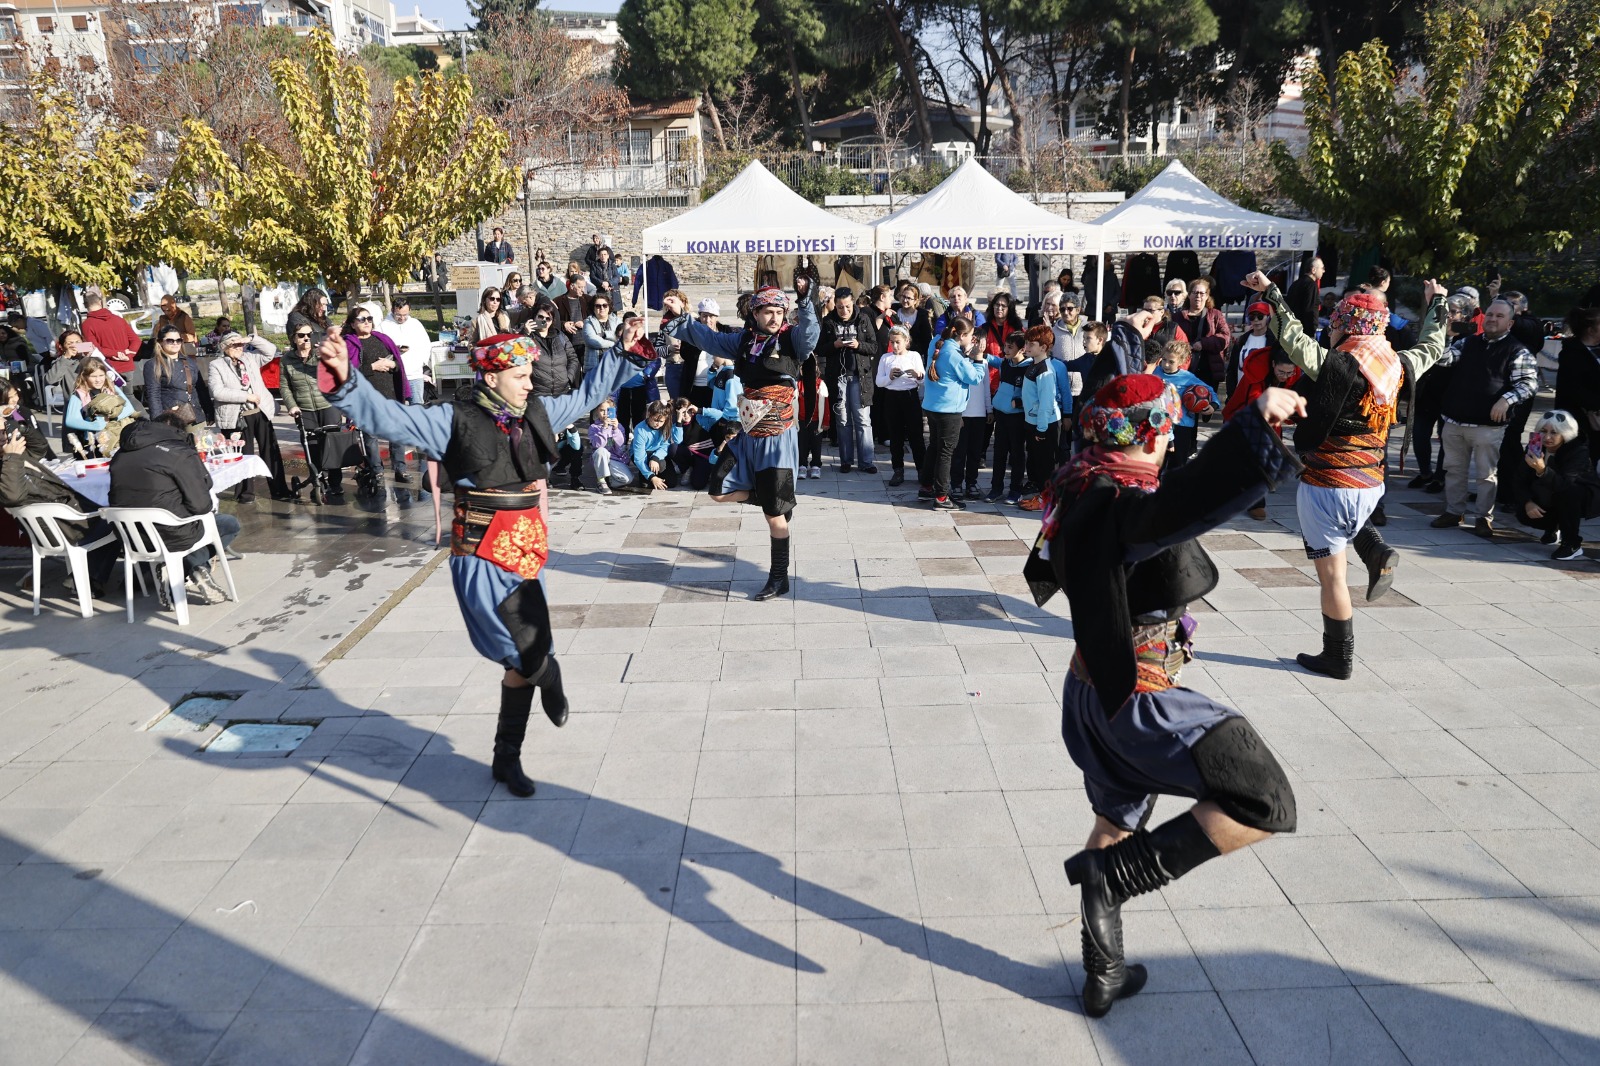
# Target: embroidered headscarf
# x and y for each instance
(1131, 409)
(769, 296)
(1362, 317)
(1360, 314)
(504, 351)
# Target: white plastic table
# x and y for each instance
(96, 484)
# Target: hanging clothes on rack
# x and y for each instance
(1141, 278)
(1094, 306)
(1230, 269)
(1182, 266)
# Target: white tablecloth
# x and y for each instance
(96, 484)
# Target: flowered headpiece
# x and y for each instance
(502, 352)
(769, 296)
(1131, 409)
(1360, 314)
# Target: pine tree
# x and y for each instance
(673, 47)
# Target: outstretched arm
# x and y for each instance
(703, 337)
(614, 368)
(428, 428)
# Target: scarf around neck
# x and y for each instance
(507, 418)
(1075, 476)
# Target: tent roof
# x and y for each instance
(1178, 210)
(973, 212)
(756, 214)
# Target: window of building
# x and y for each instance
(8, 27)
(633, 147)
(52, 65)
(13, 68)
(675, 139)
(80, 23)
(47, 24)
(87, 64)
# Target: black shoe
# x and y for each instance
(1483, 528)
(898, 479)
(995, 495)
(972, 493)
(845, 468)
(947, 503)
(1549, 537)
(575, 485)
(777, 585)
(402, 478)
(512, 727)
(551, 694)
(1420, 481)
(869, 469)
(1338, 656)
(1380, 560)
(248, 497)
(925, 493)
(1378, 517)
(1434, 487)
(1565, 553)
(286, 497)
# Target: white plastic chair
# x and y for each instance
(42, 523)
(140, 531)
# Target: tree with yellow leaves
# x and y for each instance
(77, 207)
(357, 198)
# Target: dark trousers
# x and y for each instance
(700, 396)
(632, 402)
(1185, 440)
(570, 460)
(328, 418)
(1511, 454)
(259, 439)
(810, 444)
(1042, 453)
(903, 409)
(1424, 420)
(1560, 517)
(971, 448)
(1010, 450)
(943, 429)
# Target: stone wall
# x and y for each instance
(563, 234)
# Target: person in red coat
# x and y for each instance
(110, 333)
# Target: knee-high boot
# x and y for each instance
(1338, 656)
(552, 696)
(1111, 876)
(778, 575)
(1379, 558)
(515, 704)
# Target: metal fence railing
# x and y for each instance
(586, 179)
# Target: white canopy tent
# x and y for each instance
(756, 214)
(1177, 211)
(973, 213)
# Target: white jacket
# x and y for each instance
(229, 393)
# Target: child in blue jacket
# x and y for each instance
(653, 438)
(953, 373)
(1197, 399)
(1041, 410)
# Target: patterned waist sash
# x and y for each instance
(1159, 651)
(779, 416)
(504, 526)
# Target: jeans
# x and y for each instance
(853, 422)
(942, 432)
(416, 389)
(607, 471)
(1478, 446)
(200, 558)
(673, 375)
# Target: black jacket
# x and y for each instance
(157, 466)
(1305, 301)
(1578, 385)
(837, 362)
(24, 480)
(1569, 481)
(1530, 331)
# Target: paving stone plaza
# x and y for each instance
(826, 829)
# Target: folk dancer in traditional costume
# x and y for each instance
(759, 465)
(1119, 538)
(1351, 388)
(496, 447)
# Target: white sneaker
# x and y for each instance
(805, 472)
(816, 472)
(202, 590)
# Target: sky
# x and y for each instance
(453, 13)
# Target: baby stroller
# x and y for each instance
(330, 448)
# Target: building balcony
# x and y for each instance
(578, 179)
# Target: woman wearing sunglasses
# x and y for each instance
(378, 360)
(172, 379)
(302, 398)
(492, 317)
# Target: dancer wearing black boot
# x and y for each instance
(1123, 548)
(759, 464)
(1351, 388)
(497, 447)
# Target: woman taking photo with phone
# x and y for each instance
(1558, 487)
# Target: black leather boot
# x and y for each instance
(515, 703)
(1109, 877)
(725, 462)
(551, 695)
(1338, 656)
(1380, 560)
(778, 576)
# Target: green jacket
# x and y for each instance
(297, 384)
(1304, 351)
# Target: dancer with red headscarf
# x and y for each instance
(1351, 389)
(497, 448)
(1120, 540)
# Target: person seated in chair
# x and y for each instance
(24, 481)
(158, 466)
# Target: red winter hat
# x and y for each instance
(1259, 307)
(1130, 390)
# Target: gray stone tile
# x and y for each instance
(197, 833)
(1327, 870)
(1258, 947)
(355, 961)
(608, 965)
(460, 1037)
(86, 967)
(845, 771)
(750, 885)
(312, 831)
(965, 882)
(1147, 1028)
(386, 891)
(1306, 1025)
(728, 774)
(292, 1038)
(952, 768)
(855, 884)
(729, 964)
(1486, 803)
(998, 958)
(1550, 862)
(463, 966)
(196, 969)
(841, 1034)
(150, 1036)
(615, 888)
(577, 1036)
(849, 823)
(44, 895)
(1447, 865)
(1564, 1014)
(1516, 940)
(958, 820)
(764, 823)
(1388, 942)
(141, 895)
(509, 890)
(1456, 1025)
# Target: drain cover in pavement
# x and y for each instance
(192, 712)
(259, 738)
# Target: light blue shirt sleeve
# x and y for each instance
(959, 368)
(703, 337)
(1044, 398)
(428, 428)
(641, 450)
(75, 420)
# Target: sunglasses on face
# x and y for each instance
(491, 299)
(231, 347)
(1177, 292)
(171, 340)
(303, 336)
(363, 318)
(1257, 317)
(602, 307)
